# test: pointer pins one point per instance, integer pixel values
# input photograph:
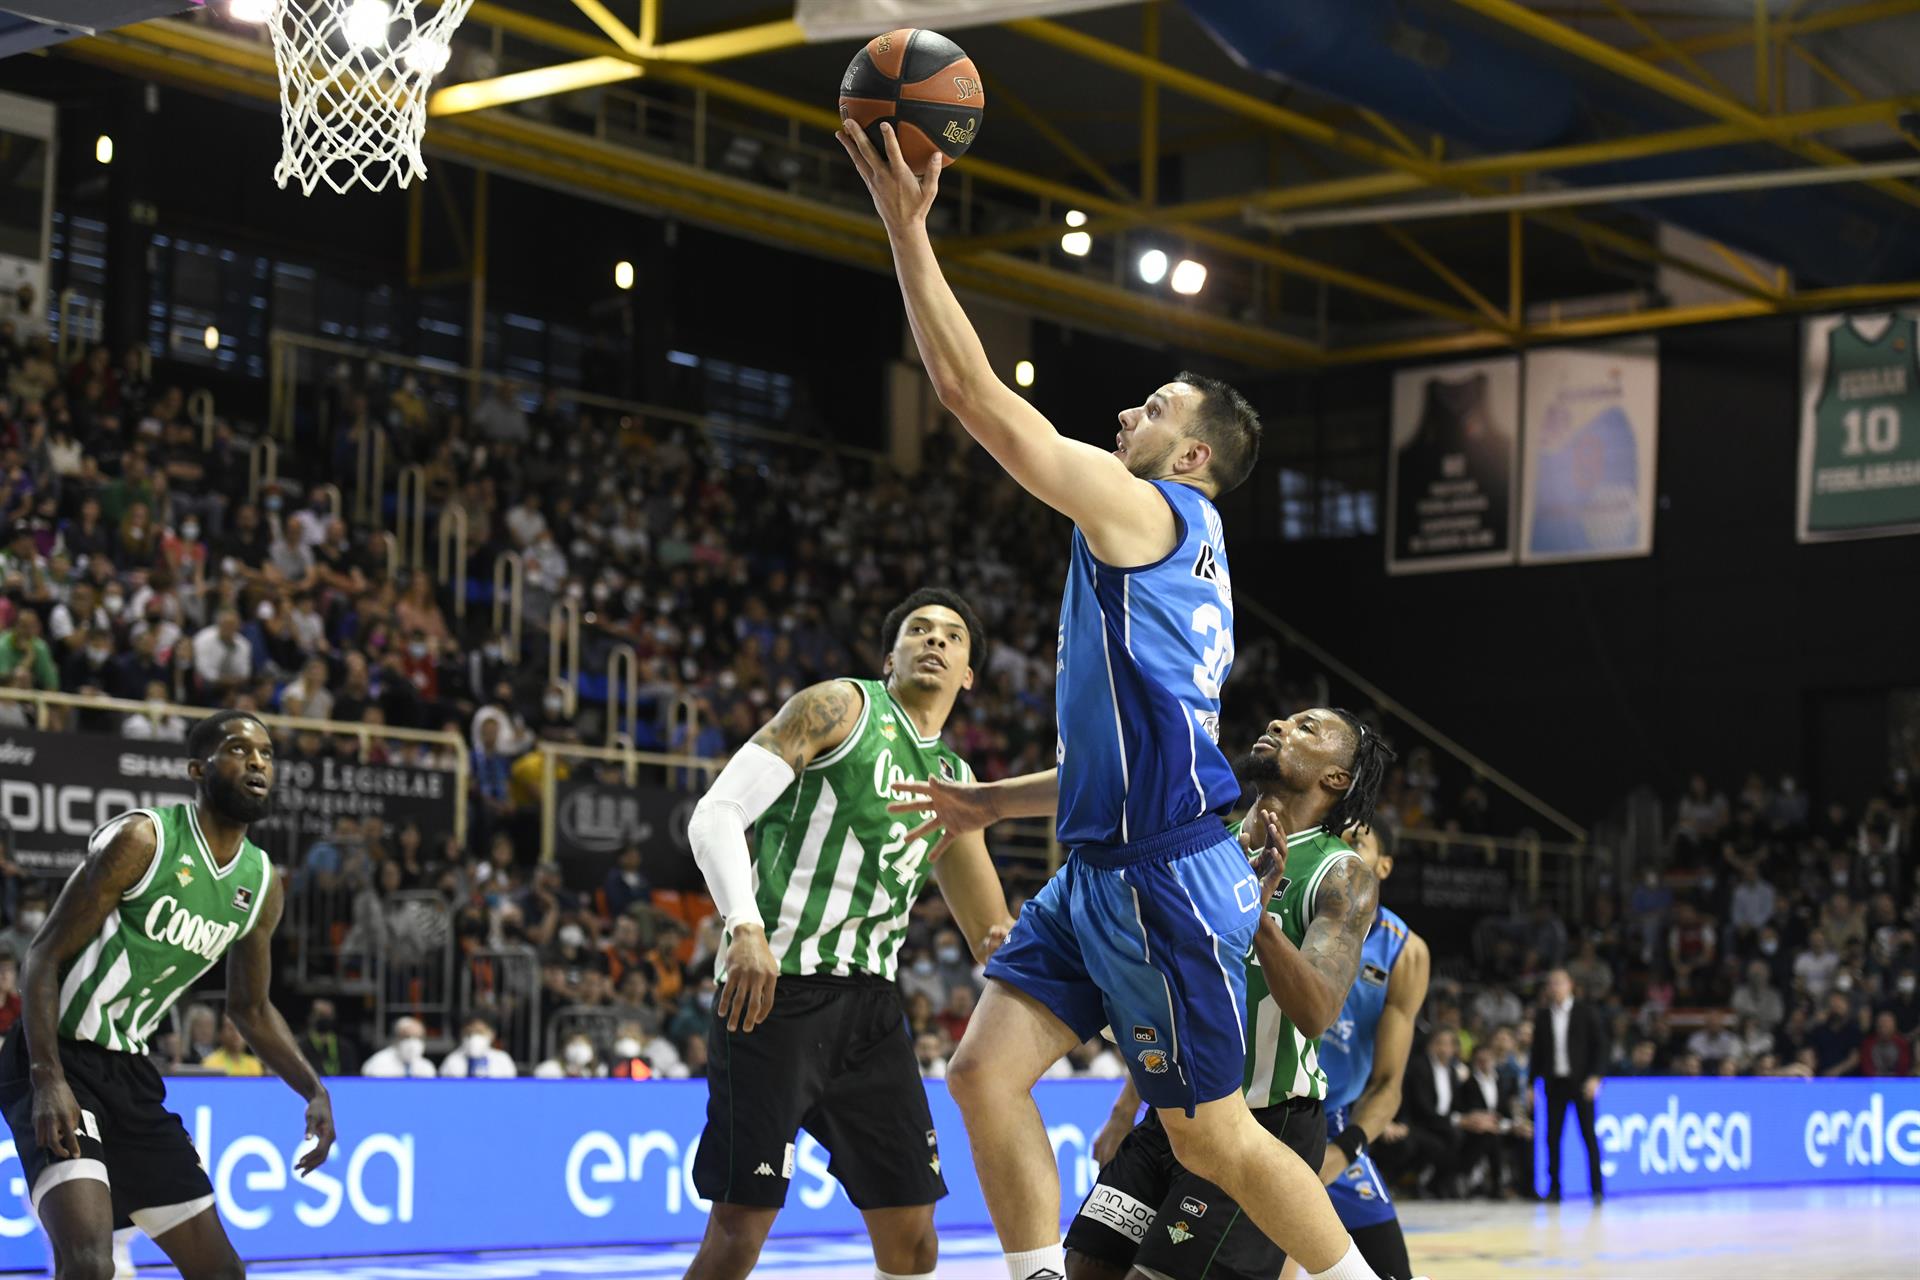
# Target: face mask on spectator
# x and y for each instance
(1769, 945)
(573, 936)
(1840, 879)
(190, 531)
(704, 999)
(32, 919)
(626, 1047)
(98, 657)
(949, 955)
(479, 1044)
(1906, 984)
(1843, 983)
(410, 1048)
(579, 1055)
(555, 705)
(273, 502)
(418, 648)
(923, 964)
(114, 603)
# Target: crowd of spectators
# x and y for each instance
(138, 561)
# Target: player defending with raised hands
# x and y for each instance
(808, 1030)
(1145, 926)
(162, 896)
(1314, 773)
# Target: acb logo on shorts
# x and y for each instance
(1153, 1061)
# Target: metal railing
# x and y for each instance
(623, 692)
(200, 410)
(416, 964)
(510, 598)
(502, 985)
(263, 468)
(563, 650)
(450, 565)
(70, 314)
(410, 516)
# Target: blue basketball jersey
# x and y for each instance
(1346, 1049)
(1143, 654)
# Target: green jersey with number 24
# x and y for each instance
(834, 874)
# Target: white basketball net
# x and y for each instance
(354, 76)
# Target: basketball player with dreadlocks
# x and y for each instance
(1315, 774)
(162, 896)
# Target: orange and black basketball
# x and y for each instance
(921, 83)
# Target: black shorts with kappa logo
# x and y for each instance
(834, 1058)
(1148, 1212)
(128, 1138)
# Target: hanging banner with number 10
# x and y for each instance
(1860, 426)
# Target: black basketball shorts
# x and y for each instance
(128, 1138)
(1148, 1212)
(833, 1058)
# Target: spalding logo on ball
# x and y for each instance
(921, 83)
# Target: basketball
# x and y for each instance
(921, 83)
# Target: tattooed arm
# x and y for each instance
(1310, 982)
(813, 723)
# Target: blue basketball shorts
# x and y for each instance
(1359, 1194)
(1150, 939)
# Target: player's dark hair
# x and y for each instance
(1368, 770)
(205, 737)
(1381, 830)
(1230, 427)
(976, 638)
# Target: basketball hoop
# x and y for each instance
(354, 76)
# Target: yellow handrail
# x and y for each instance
(263, 468)
(624, 659)
(509, 595)
(563, 638)
(410, 515)
(453, 530)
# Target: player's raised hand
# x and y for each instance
(752, 974)
(320, 1129)
(56, 1119)
(901, 198)
(958, 809)
(1264, 836)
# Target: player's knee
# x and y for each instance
(970, 1081)
(737, 1232)
(1200, 1152)
(85, 1262)
(917, 1252)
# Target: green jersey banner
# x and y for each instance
(1860, 427)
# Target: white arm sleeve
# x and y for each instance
(745, 789)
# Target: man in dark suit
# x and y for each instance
(1496, 1137)
(1569, 1053)
(1431, 1084)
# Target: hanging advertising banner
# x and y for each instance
(56, 789)
(1455, 449)
(1860, 427)
(1592, 430)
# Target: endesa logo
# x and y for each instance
(1867, 1138)
(253, 1180)
(1676, 1141)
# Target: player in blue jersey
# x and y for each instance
(1364, 1054)
(1147, 924)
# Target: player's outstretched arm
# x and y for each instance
(973, 894)
(812, 722)
(1120, 1122)
(249, 1004)
(1310, 982)
(1392, 1042)
(1125, 520)
(116, 861)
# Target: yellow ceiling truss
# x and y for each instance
(467, 127)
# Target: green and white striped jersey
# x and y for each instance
(170, 928)
(834, 874)
(1282, 1063)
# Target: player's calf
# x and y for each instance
(735, 1235)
